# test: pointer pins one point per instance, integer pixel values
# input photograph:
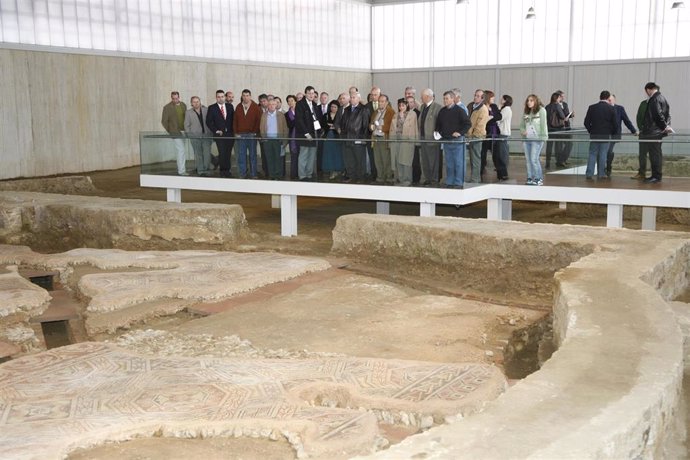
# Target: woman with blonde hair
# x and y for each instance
(492, 130)
(534, 130)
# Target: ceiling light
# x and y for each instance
(530, 13)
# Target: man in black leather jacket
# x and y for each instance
(655, 126)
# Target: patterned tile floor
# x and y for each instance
(89, 393)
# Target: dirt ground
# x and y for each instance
(207, 449)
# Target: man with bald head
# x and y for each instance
(429, 153)
(355, 126)
(374, 103)
(199, 135)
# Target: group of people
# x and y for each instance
(403, 141)
(603, 122)
(229, 126)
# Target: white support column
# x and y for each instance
(174, 195)
(614, 215)
(275, 201)
(383, 207)
(288, 215)
(494, 209)
(507, 210)
(648, 218)
(427, 209)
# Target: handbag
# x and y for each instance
(554, 121)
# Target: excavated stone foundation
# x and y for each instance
(612, 388)
(55, 222)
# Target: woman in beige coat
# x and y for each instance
(403, 134)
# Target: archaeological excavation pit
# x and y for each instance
(258, 307)
(389, 336)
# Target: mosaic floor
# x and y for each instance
(89, 393)
(141, 284)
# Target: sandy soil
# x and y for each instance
(206, 449)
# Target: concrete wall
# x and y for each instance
(582, 83)
(70, 113)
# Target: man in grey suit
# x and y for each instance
(429, 153)
(199, 135)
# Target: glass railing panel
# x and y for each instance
(567, 154)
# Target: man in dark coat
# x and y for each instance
(621, 117)
(600, 122)
(307, 127)
(656, 124)
(355, 126)
(219, 121)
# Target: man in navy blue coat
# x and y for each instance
(621, 117)
(600, 122)
(219, 121)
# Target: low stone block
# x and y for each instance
(64, 221)
(71, 185)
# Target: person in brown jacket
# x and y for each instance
(245, 125)
(380, 128)
(274, 132)
(479, 117)
(173, 123)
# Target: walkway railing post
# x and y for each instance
(494, 209)
(648, 218)
(174, 195)
(383, 207)
(614, 215)
(288, 215)
(427, 209)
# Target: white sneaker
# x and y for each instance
(529, 181)
(539, 182)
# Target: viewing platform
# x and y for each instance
(562, 185)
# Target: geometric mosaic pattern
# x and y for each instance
(89, 393)
(192, 275)
(176, 278)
